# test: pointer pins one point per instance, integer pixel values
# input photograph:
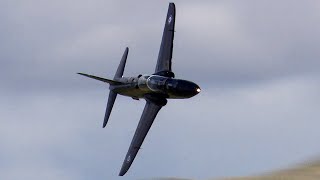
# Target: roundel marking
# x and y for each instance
(169, 19)
(129, 158)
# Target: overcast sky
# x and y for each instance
(257, 63)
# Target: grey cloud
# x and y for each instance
(253, 40)
(224, 42)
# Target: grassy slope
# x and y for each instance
(309, 171)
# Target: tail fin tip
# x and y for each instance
(122, 64)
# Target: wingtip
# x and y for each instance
(122, 172)
(83, 74)
(104, 124)
(172, 3)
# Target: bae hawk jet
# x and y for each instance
(155, 88)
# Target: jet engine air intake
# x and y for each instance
(142, 82)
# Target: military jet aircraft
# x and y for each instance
(155, 88)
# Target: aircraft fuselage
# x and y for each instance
(167, 87)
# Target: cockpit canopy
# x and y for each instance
(157, 83)
(174, 88)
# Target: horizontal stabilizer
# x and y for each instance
(111, 82)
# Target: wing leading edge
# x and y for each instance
(165, 53)
(153, 104)
(149, 114)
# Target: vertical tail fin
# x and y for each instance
(113, 95)
(122, 64)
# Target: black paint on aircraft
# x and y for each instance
(155, 88)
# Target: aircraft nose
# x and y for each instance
(191, 89)
(182, 88)
(198, 89)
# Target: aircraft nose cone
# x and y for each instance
(198, 90)
(191, 89)
(179, 88)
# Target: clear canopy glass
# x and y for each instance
(157, 83)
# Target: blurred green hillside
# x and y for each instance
(307, 171)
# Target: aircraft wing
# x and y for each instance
(165, 53)
(149, 113)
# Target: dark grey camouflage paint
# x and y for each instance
(155, 89)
